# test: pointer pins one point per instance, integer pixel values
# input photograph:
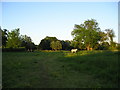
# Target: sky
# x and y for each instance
(57, 19)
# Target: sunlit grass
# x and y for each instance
(81, 53)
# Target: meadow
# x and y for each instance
(60, 69)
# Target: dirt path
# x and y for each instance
(44, 75)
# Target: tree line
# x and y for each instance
(89, 36)
(13, 39)
(86, 36)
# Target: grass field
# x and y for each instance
(84, 69)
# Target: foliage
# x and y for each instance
(86, 36)
(75, 44)
(0, 37)
(110, 34)
(87, 33)
(104, 46)
(78, 45)
(103, 37)
(66, 45)
(118, 46)
(113, 46)
(4, 36)
(14, 39)
(56, 45)
(27, 42)
(20, 49)
(45, 43)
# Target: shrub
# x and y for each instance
(118, 47)
(13, 49)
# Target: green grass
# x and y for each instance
(84, 69)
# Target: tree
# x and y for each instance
(75, 44)
(51, 38)
(86, 33)
(45, 43)
(4, 36)
(27, 42)
(103, 37)
(110, 34)
(104, 46)
(0, 37)
(14, 39)
(56, 45)
(118, 46)
(66, 44)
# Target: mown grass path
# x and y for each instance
(84, 69)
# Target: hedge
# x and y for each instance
(13, 49)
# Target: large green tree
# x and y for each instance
(14, 39)
(87, 33)
(45, 43)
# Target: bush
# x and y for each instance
(118, 47)
(13, 49)
(112, 48)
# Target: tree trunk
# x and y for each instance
(88, 47)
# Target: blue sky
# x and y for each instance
(41, 19)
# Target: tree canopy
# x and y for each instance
(86, 36)
(45, 43)
(14, 39)
(87, 33)
(110, 34)
(56, 45)
(26, 42)
(3, 35)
